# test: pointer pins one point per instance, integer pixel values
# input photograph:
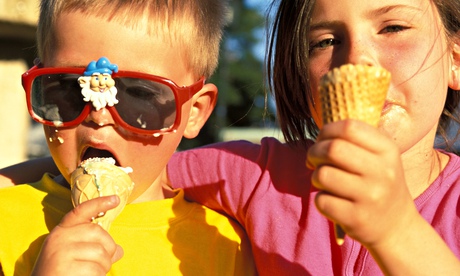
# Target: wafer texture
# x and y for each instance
(98, 177)
(354, 92)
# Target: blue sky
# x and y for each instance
(261, 5)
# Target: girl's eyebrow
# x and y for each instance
(371, 14)
(387, 9)
(325, 25)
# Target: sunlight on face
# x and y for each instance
(99, 133)
(404, 36)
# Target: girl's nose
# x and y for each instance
(360, 51)
(101, 117)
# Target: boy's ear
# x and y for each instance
(454, 78)
(203, 104)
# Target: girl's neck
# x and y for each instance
(421, 168)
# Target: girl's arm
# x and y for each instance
(214, 174)
(418, 251)
(26, 172)
(364, 189)
(226, 176)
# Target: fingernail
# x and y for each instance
(114, 199)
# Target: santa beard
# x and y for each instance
(100, 99)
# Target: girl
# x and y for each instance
(395, 195)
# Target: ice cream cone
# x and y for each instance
(98, 177)
(354, 92)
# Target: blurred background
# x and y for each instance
(17, 33)
(244, 110)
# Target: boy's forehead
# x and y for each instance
(130, 49)
(196, 25)
(81, 39)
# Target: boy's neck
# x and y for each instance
(154, 192)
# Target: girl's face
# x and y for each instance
(404, 36)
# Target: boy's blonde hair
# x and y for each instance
(197, 25)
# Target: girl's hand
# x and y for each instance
(77, 246)
(360, 174)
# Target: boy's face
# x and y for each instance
(83, 38)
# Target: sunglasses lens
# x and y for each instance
(57, 97)
(145, 104)
(142, 104)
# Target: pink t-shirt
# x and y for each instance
(267, 189)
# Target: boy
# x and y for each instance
(140, 123)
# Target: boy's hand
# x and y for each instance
(78, 246)
(360, 174)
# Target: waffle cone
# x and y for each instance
(354, 92)
(98, 177)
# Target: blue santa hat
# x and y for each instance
(102, 66)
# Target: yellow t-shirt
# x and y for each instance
(164, 237)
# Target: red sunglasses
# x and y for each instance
(144, 104)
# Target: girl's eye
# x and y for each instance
(324, 44)
(393, 29)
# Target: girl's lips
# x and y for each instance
(393, 110)
(386, 107)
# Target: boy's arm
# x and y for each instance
(35, 168)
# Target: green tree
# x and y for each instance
(239, 77)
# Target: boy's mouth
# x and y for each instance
(93, 152)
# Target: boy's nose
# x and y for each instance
(101, 117)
